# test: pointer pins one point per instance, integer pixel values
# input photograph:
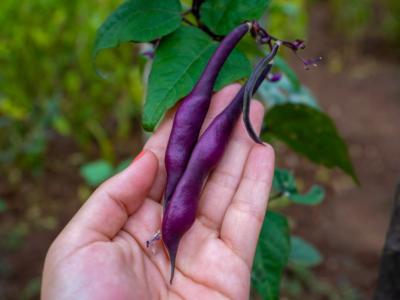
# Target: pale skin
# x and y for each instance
(102, 254)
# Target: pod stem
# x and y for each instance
(263, 37)
(250, 86)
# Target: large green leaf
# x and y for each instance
(138, 21)
(221, 16)
(284, 183)
(178, 63)
(310, 132)
(302, 253)
(271, 256)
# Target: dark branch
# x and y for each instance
(196, 8)
(210, 33)
(389, 273)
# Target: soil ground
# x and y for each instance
(362, 94)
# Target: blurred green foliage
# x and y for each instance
(48, 85)
(288, 19)
(391, 22)
(359, 19)
(351, 19)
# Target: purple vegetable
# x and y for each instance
(191, 113)
(180, 211)
(251, 86)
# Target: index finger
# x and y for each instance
(157, 144)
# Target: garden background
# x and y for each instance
(63, 130)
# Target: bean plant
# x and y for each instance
(179, 37)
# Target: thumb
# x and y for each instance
(109, 207)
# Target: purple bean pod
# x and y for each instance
(192, 111)
(181, 210)
(250, 87)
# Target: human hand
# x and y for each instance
(102, 254)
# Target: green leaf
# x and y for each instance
(221, 16)
(271, 256)
(138, 21)
(96, 172)
(303, 253)
(314, 196)
(178, 63)
(283, 91)
(284, 183)
(309, 132)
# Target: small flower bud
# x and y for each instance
(274, 77)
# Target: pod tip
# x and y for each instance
(172, 263)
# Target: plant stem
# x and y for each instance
(196, 8)
(196, 12)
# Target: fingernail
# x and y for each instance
(140, 155)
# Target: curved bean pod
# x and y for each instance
(251, 86)
(192, 111)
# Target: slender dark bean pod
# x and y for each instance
(191, 113)
(249, 90)
(181, 210)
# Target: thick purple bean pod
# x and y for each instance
(191, 113)
(180, 212)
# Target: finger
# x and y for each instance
(224, 180)
(157, 144)
(244, 216)
(108, 209)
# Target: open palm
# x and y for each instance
(102, 254)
